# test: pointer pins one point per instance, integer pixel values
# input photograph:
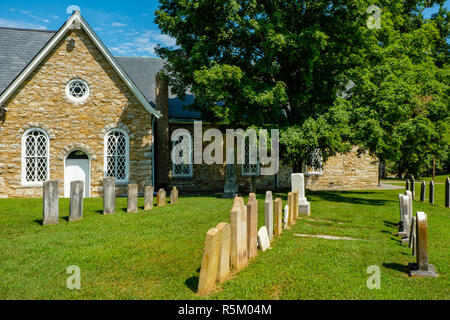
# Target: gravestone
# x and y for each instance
(268, 209)
(148, 198)
(286, 217)
(210, 263)
(263, 239)
(252, 227)
(278, 211)
(413, 187)
(238, 228)
(50, 202)
(298, 183)
(422, 191)
(422, 268)
(109, 196)
(132, 202)
(224, 258)
(400, 203)
(408, 185)
(252, 196)
(76, 201)
(410, 206)
(231, 188)
(431, 198)
(406, 220)
(161, 198)
(174, 195)
(296, 206)
(447, 193)
(291, 219)
(412, 236)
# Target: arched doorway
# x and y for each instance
(77, 168)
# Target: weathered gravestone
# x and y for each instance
(174, 195)
(291, 202)
(286, 217)
(413, 187)
(422, 191)
(231, 186)
(132, 202)
(431, 199)
(412, 236)
(210, 263)
(76, 201)
(263, 239)
(422, 268)
(408, 184)
(278, 209)
(406, 219)
(268, 209)
(252, 196)
(252, 227)
(148, 198)
(161, 198)
(50, 202)
(238, 227)
(400, 203)
(296, 206)
(410, 206)
(225, 245)
(298, 183)
(447, 193)
(109, 196)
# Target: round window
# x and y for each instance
(77, 90)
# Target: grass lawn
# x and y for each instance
(439, 179)
(157, 254)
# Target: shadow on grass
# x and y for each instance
(39, 221)
(99, 211)
(192, 283)
(396, 266)
(390, 224)
(340, 196)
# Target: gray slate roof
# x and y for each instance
(19, 46)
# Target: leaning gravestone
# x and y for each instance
(109, 196)
(252, 227)
(413, 187)
(161, 198)
(148, 198)
(238, 227)
(132, 202)
(286, 216)
(268, 208)
(50, 202)
(431, 192)
(174, 195)
(224, 258)
(298, 183)
(422, 191)
(447, 193)
(76, 201)
(210, 263)
(263, 239)
(278, 209)
(422, 268)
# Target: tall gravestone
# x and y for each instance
(231, 187)
(413, 187)
(405, 230)
(238, 227)
(291, 219)
(400, 203)
(174, 195)
(278, 209)
(76, 200)
(109, 196)
(408, 185)
(286, 217)
(132, 203)
(412, 236)
(447, 193)
(224, 258)
(210, 263)
(50, 202)
(298, 183)
(148, 198)
(422, 268)
(268, 209)
(252, 228)
(431, 198)
(161, 198)
(422, 191)
(410, 206)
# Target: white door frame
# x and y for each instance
(88, 183)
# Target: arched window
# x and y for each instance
(249, 168)
(182, 143)
(35, 157)
(117, 155)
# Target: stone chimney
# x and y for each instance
(162, 140)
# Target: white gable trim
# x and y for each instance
(75, 19)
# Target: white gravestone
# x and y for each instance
(268, 207)
(263, 239)
(286, 216)
(298, 183)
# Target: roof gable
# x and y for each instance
(75, 21)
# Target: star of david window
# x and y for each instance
(77, 90)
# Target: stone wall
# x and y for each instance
(41, 102)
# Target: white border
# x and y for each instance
(127, 156)
(23, 169)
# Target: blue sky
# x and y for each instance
(126, 26)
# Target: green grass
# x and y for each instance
(157, 254)
(439, 179)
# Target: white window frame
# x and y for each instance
(246, 152)
(191, 165)
(26, 183)
(81, 99)
(127, 156)
(315, 171)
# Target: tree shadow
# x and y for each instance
(192, 283)
(396, 266)
(340, 197)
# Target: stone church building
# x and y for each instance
(70, 111)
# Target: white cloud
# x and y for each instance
(20, 24)
(31, 15)
(142, 44)
(118, 24)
